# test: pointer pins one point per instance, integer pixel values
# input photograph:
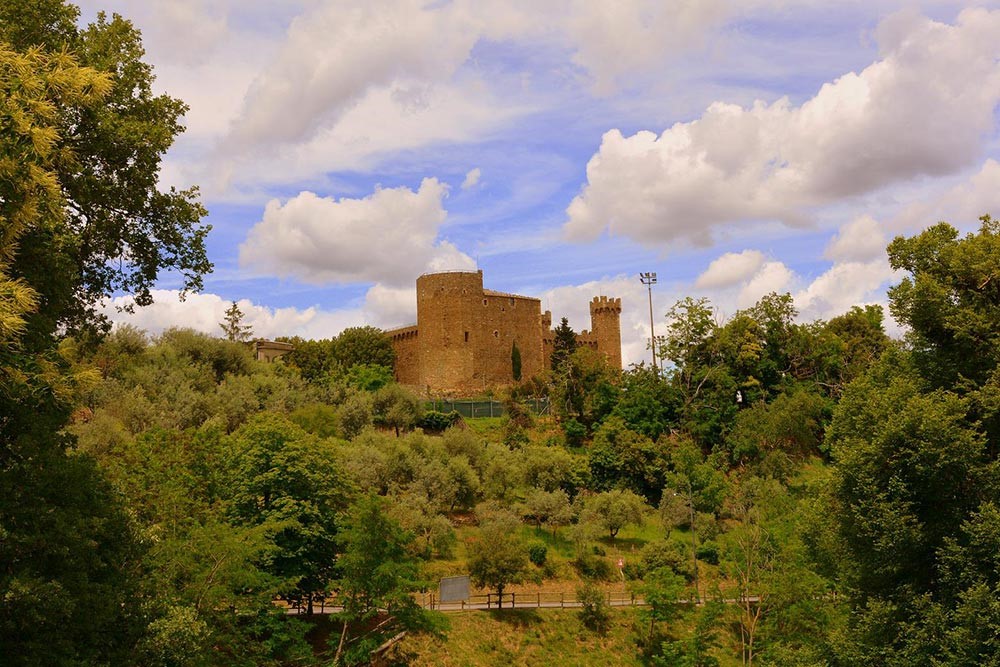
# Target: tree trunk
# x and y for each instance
(340, 645)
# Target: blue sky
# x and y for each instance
(735, 148)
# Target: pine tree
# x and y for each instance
(563, 344)
(233, 325)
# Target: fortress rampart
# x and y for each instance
(465, 334)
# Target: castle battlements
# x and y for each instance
(601, 304)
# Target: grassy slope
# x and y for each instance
(526, 637)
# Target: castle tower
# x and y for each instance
(448, 318)
(605, 325)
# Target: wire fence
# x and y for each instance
(471, 409)
(487, 601)
(527, 600)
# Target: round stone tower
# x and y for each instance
(446, 315)
(605, 326)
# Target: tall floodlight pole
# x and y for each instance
(649, 279)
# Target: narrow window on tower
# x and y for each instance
(466, 336)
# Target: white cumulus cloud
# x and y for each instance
(861, 239)
(772, 277)
(960, 205)
(390, 236)
(472, 178)
(924, 108)
(731, 268)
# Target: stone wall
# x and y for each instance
(404, 343)
(508, 319)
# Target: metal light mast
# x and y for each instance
(649, 279)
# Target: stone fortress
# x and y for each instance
(462, 342)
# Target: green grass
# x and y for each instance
(526, 637)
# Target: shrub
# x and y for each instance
(575, 432)
(708, 552)
(537, 554)
(593, 567)
(438, 421)
(669, 554)
(594, 613)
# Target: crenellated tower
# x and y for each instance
(605, 325)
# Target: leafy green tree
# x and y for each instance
(862, 339)
(700, 372)
(432, 531)
(503, 472)
(369, 377)
(355, 414)
(551, 468)
(116, 229)
(233, 327)
(694, 492)
(70, 586)
(648, 403)
(289, 482)
(613, 510)
(549, 508)
(661, 589)
(595, 612)
(314, 359)
(499, 557)
(377, 575)
(363, 345)
(792, 424)
(949, 301)
(585, 387)
(212, 602)
(396, 407)
(694, 650)
(622, 458)
(515, 362)
(448, 484)
(68, 549)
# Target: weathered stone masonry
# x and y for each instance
(462, 341)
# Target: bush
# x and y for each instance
(593, 567)
(514, 436)
(575, 432)
(668, 554)
(537, 554)
(317, 418)
(594, 613)
(438, 421)
(708, 552)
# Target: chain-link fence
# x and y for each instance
(472, 408)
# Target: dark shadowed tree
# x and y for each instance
(562, 345)
(515, 362)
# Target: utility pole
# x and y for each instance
(649, 279)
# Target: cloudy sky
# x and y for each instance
(735, 147)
